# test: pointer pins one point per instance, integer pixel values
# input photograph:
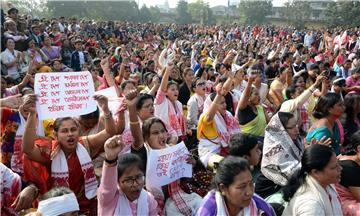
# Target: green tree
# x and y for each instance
(35, 8)
(182, 14)
(255, 12)
(155, 14)
(343, 13)
(297, 12)
(145, 14)
(201, 12)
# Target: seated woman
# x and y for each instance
(153, 135)
(328, 109)
(168, 107)
(282, 152)
(234, 192)
(278, 86)
(350, 120)
(251, 115)
(349, 186)
(215, 127)
(121, 190)
(310, 190)
(51, 52)
(66, 157)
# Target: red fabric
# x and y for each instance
(5, 113)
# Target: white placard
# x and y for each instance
(167, 165)
(64, 94)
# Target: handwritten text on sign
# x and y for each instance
(64, 94)
(167, 165)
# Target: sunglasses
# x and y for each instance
(201, 84)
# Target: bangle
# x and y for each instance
(111, 161)
(107, 116)
(134, 123)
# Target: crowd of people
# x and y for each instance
(269, 115)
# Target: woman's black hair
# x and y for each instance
(241, 144)
(228, 168)
(351, 102)
(141, 99)
(59, 121)
(295, 79)
(129, 160)
(316, 157)
(125, 83)
(56, 192)
(350, 144)
(147, 125)
(172, 82)
(92, 115)
(280, 71)
(324, 103)
(193, 84)
(290, 91)
(285, 117)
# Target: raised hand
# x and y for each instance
(322, 141)
(102, 102)
(12, 102)
(25, 198)
(29, 104)
(113, 147)
(131, 98)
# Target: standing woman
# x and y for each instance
(185, 89)
(310, 190)
(167, 106)
(68, 158)
(328, 109)
(234, 192)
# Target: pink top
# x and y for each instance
(350, 82)
(108, 194)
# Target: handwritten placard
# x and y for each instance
(114, 102)
(167, 165)
(64, 94)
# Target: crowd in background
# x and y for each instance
(270, 116)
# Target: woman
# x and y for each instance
(67, 156)
(52, 52)
(353, 81)
(167, 106)
(55, 34)
(310, 190)
(349, 186)
(281, 156)
(328, 109)
(121, 190)
(185, 89)
(195, 106)
(350, 120)
(66, 51)
(279, 85)
(251, 115)
(153, 135)
(36, 53)
(215, 127)
(234, 192)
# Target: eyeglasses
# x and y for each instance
(130, 181)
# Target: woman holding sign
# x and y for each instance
(121, 190)
(154, 136)
(234, 192)
(68, 158)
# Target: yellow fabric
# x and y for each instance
(310, 108)
(257, 125)
(45, 69)
(209, 61)
(206, 128)
(276, 84)
(49, 128)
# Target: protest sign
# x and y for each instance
(64, 94)
(114, 102)
(167, 165)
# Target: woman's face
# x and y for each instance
(47, 41)
(57, 66)
(255, 97)
(10, 44)
(300, 82)
(147, 109)
(131, 182)
(200, 87)
(222, 107)
(158, 136)
(32, 44)
(292, 128)
(172, 92)
(254, 157)
(240, 75)
(189, 77)
(331, 174)
(68, 135)
(338, 109)
(240, 192)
